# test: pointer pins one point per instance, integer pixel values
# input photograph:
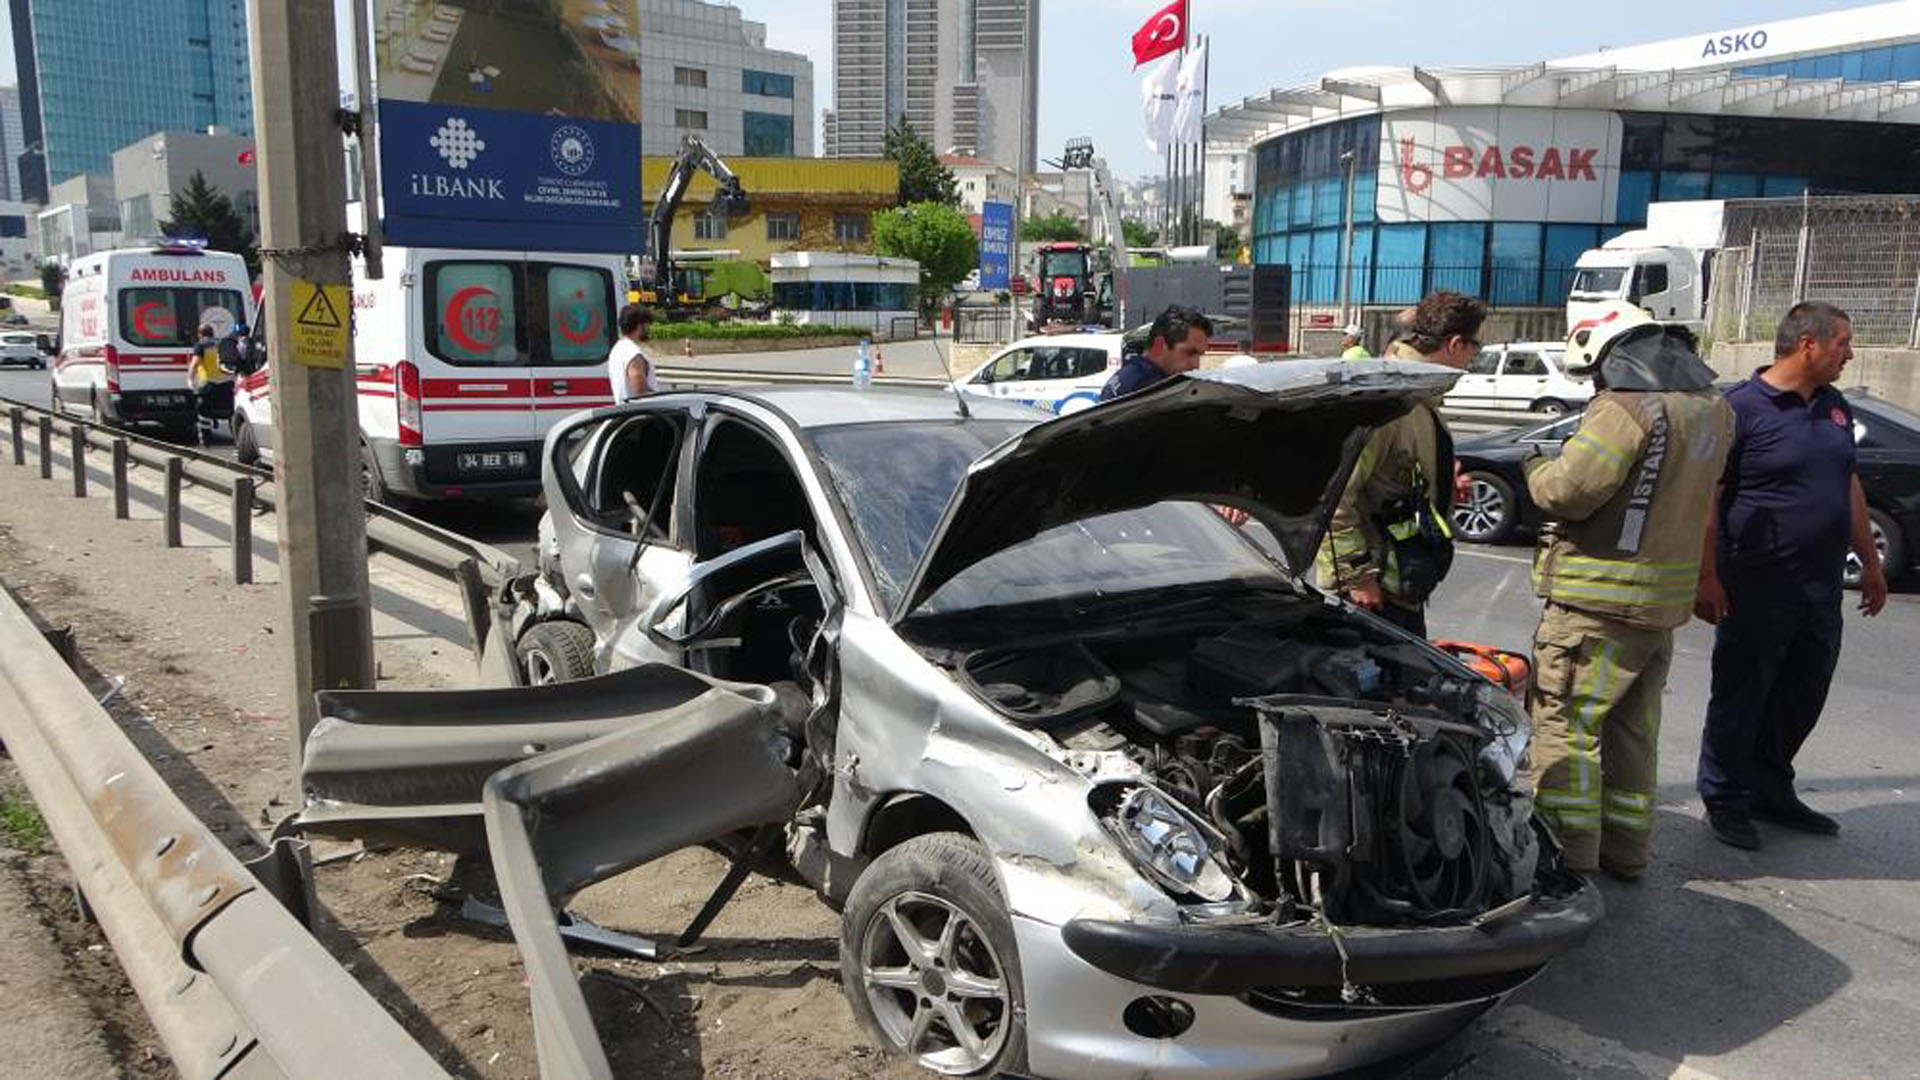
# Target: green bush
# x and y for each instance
(31, 292)
(749, 331)
(21, 824)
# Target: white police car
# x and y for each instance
(1062, 373)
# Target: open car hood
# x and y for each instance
(1276, 440)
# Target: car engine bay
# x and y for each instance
(1346, 772)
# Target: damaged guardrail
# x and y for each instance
(235, 984)
(475, 569)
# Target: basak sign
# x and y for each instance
(1498, 164)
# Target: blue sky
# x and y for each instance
(1088, 85)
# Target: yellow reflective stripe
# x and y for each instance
(1632, 821)
(1636, 594)
(1564, 799)
(1575, 820)
(1630, 800)
(1583, 750)
(1600, 448)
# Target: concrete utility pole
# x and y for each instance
(323, 539)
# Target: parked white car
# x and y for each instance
(1061, 373)
(1525, 375)
(20, 347)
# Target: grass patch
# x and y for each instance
(31, 292)
(22, 825)
(750, 331)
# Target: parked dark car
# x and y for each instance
(1497, 507)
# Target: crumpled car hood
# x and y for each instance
(1277, 440)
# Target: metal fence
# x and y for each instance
(981, 325)
(1860, 252)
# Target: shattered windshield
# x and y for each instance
(896, 479)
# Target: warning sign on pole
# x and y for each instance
(320, 325)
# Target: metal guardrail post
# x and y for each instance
(243, 530)
(473, 595)
(120, 490)
(171, 512)
(77, 457)
(17, 419)
(46, 448)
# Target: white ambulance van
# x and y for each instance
(128, 321)
(465, 359)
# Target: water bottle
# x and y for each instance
(863, 366)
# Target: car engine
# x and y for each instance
(1347, 772)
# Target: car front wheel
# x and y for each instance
(1550, 407)
(928, 960)
(1888, 541)
(1488, 514)
(246, 450)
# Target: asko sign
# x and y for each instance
(1498, 164)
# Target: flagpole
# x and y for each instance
(1206, 72)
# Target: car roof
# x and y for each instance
(1108, 340)
(1557, 346)
(818, 406)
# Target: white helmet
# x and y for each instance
(1610, 321)
(1352, 330)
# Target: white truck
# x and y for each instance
(1665, 268)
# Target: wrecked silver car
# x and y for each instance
(1103, 787)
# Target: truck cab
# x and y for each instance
(1669, 281)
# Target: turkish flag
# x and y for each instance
(1165, 32)
(245, 157)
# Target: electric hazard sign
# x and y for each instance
(320, 325)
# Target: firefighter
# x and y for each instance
(1389, 543)
(1629, 494)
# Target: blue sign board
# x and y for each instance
(484, 146)
(471, 177)
(996, 244)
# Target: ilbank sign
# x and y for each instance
(480, 149)
(1498, 164)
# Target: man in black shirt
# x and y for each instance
(1175, 343)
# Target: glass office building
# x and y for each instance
(107, 75)
(1380, 185)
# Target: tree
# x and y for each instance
(936, 236)
(1138, 234)
(53, 281)
(922, 177)
(1055, 226)
(204, 211)
(1226, 241)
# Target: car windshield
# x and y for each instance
(1598, 282)
(896, 479)
(1064, 264)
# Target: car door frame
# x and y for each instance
(1475, 390)
(609, 575)
(1514, 390)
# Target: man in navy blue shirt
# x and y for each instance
(1788, 508)
(1175, 343)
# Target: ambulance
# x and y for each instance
(464, 359)
(128, 322)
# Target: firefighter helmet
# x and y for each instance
(1608, 323)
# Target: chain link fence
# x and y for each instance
(1861, 253)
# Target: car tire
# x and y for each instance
(246, 450)
(1489, 514)
(373, 487)
(1893, 549)
(1550, 407)
(556, 652)
(904, 993)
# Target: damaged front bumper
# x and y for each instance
(1249, 958)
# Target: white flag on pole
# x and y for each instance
(1159, 93)
(1190, 93)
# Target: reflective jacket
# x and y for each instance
(1400, 457)
(1630, 493)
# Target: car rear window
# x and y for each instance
(499, 313)
(162, 317)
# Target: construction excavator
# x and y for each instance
(660, 282)
(1104, 299)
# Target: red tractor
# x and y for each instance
(1064, 285)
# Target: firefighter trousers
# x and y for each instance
(1595, 704)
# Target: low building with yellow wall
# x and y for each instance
(797, 204)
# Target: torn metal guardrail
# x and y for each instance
(560, 786)
(236, 986)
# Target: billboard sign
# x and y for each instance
(1499, 164)
(996, 244)
(510, 126)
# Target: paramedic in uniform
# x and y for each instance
(1629, 496)
(1407, 462)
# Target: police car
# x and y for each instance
(1061, 373)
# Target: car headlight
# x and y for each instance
(1512, 731)
(1163, 840)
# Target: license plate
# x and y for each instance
(169, 399)
(484, 461)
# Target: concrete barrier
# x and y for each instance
(1889, 374)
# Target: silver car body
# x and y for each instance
(909, 735)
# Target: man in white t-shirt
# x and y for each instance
(627, 365)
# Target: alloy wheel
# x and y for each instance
(1483, 511)
(1854, 571)
(936, 985)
